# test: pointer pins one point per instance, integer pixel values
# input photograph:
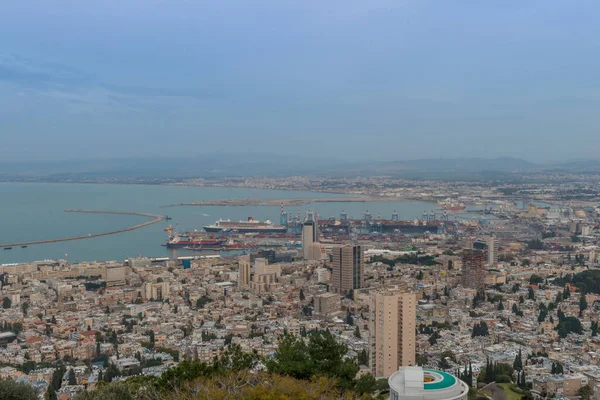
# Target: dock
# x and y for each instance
(155, 219)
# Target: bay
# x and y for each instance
(35, 211)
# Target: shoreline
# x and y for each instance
(286, 202)
(157, 218)
(184, 185)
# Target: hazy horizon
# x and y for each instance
(389, 80)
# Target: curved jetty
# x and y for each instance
(155, 219)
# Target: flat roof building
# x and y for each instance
(392, 327)
(310, 235)
(473, 269)
(416, 383)
(327, 303)
(348, 268)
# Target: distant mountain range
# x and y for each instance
(214, 166)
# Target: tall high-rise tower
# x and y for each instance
(392, 327)
(244, 271)
(492, 249)
(473, 268)
(348, 269)
(310, 235)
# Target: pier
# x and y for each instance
(155, 219)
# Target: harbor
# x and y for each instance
(48, 203)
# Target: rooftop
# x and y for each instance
(427, 384)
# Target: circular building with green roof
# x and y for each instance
(416, 383)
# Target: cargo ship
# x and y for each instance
(178, 241)
(249, 226)
(228, 246)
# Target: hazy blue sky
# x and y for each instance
(393, 79)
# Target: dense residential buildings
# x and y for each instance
(478, 291)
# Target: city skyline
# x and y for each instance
(262, 199)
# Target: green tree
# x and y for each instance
(480, 329)
(582, 304)
(420, 275)
(594, 328)
(114, 391)
(530, 294)
(421, 359)
(365, 384)
(518, 363)
(55, 381)
(150, 334)
(357, 332)
(71, 377)
(202, 301)
(567, 325)
(433, 338)
(6, 303)
(234, 359)
(302, 297)
(111, 372)
(585, 392)
(291, 358)
(521, 299)
(329, 358)
(478, 299)
(11, 390)
(500, 306)
(323, 355)
(444, 364)
(363, 357)
(535, 244)
(542, 315)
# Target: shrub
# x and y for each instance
(11, 390)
